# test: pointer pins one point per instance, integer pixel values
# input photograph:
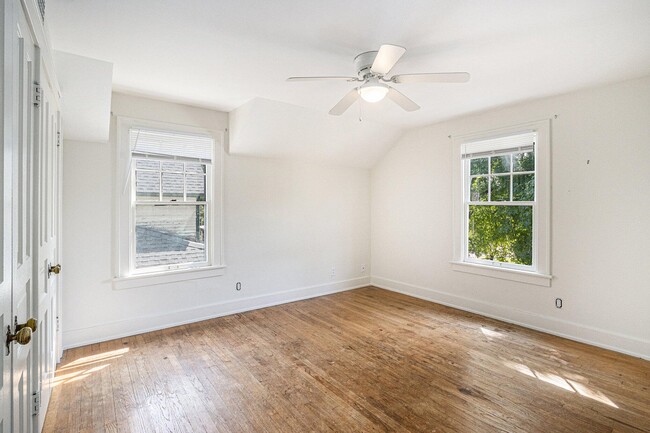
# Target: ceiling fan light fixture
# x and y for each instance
(373, 92)
(372, 68)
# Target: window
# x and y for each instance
(503, 212)
(169, 218)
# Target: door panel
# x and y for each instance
(29, 214)
(47, 210)
(23, 355)
(7, 37)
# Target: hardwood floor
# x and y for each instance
(367, 360)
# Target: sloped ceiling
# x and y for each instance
(275, 129)
(223, 54)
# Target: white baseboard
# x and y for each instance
(571, 330)
(139, 325)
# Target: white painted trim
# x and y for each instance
(139, 325)
(542, 205)
(573, 331)
(41, 35)
(175, 276)
(503, 273)
(124, 210)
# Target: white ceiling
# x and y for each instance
(263, 127)
(222, 54)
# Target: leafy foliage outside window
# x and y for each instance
(500, 227)
(501, 233)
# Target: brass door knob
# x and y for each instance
(22, 336)
(56, 269)
(31, 324)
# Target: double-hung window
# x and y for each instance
(503, 209)
(500, 200)
(171, 195)
(169, 211)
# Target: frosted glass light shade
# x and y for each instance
(373, 92)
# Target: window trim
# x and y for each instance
(540, 272)
(125, 208)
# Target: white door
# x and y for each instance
(23, 225)
(6, 208)
(29, 212)
(47, 205)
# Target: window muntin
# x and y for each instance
(170, 200)
(499, 202)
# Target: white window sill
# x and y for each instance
(504, 273)
(134, 281)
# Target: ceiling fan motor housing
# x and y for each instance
(363, 62)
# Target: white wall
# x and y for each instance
(285, 226)
(600, 219)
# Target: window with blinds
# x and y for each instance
(499, 200)
(151, 143)
(170, 197)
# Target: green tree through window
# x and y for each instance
(500, 208)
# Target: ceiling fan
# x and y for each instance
(372, 68)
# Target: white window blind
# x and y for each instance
(151, 143)
(524, 142)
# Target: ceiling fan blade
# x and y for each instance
(443, 77)
(386, 58)
(330, 78)
(402, 100)
(345, 103)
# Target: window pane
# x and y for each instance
(523, 161)
(479, 166)
(147, 164)
(500, 164)
(176, 167)
(501, 233)
(500, 188)
(169, 235)
(147, 186)
(523, 187)
(478, 190)
(172, 184)
(193, 167)
(195, 187)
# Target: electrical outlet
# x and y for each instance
(238, 286)
(558, 302)
(363, 268)
(333, 272)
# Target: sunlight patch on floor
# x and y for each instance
(96, 358)
(77, 375)
(490, 333)
(561, 382)
(81, 368)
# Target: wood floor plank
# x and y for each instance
(366, 360)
